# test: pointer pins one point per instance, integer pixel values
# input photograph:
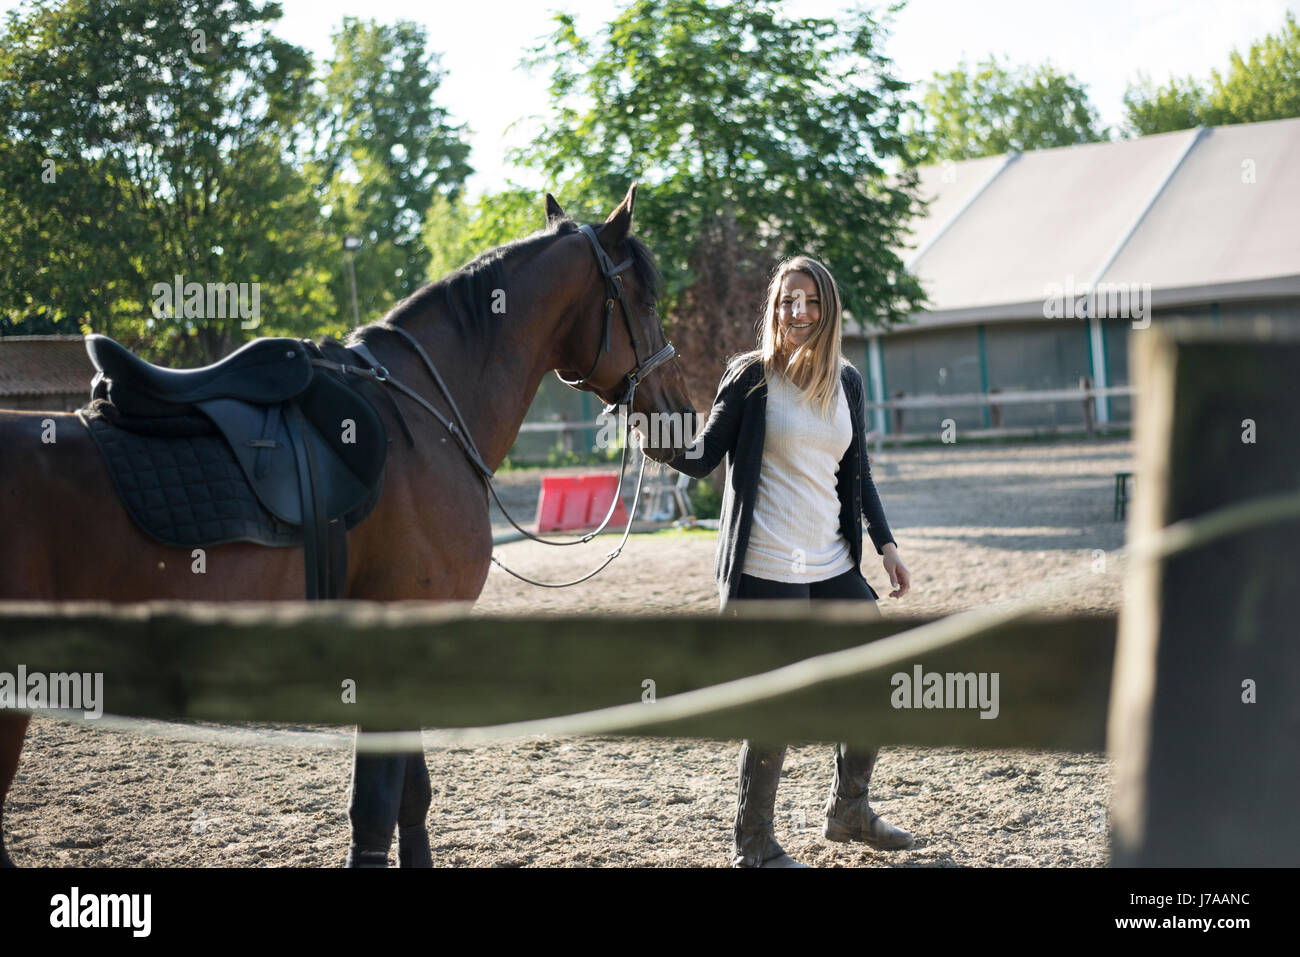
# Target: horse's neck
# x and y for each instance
(492, 373)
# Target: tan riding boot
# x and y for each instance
(848, 814)
(755, 840)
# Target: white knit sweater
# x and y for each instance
(795, 534)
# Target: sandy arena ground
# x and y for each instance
(975, 525)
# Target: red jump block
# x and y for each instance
(575, 502)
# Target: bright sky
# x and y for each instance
(1105, 43)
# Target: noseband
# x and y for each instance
(614, 294)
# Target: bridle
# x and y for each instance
(378, 373)
(614, 294)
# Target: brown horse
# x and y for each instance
(67, 536)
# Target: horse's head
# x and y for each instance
(615, 346)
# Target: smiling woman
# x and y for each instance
(801, 335)
(789, 417)
(801, 309)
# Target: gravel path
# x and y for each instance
(975, 525)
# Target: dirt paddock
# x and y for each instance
(975, 525)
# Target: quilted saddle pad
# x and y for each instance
(185, 489)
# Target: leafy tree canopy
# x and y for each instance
(1262, 85)
(390, 153)
(754, 136)
(145, 140)
(991, 108)
(456, 230)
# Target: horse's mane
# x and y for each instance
(467, 293)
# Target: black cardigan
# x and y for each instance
(735, 428)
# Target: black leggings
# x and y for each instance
(849, 585)
(853, 763)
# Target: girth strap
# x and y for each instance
(315, 525)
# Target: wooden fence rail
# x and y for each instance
(966, 399)
(438, 666)
(960, 400)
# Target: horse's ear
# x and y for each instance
(619, 224)
(553, 211)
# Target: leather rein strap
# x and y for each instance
(377, 372)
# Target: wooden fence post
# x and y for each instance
(1089, 417)
(566, 436)
(1204, 713)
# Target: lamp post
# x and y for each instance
(350, 245)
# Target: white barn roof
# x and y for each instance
(1201, 215)
(1231, 214)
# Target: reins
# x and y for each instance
(378, 373)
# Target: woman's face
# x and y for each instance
(799, 310)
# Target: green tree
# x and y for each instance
(390, 152)
(1263, 85)
(991, 109)
(754, 136)
(150, 139)
(1177, 105)
(456, 230)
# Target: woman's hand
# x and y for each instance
(898, 574)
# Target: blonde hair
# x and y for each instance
(814, 367)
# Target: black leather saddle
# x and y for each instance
(265, 446)
(263, 372)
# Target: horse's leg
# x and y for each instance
(412, 837)
(13, 727)
(436, 566)
(376, 797)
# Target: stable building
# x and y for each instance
(1040, 268)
